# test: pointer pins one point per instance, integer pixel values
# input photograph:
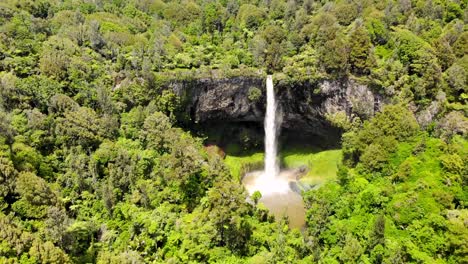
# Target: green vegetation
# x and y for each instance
(238, 165)
(323, 165)
(400, 201)
(94, 167)
(254, 94)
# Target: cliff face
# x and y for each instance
(302, 106)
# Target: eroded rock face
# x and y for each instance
(303, 106)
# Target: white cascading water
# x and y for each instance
(271, 147)
(272, 183)
(268, 182)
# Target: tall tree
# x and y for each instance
(360, 51)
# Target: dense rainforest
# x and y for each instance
(98, 163)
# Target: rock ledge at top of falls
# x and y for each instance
(303, 106)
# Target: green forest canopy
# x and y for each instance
(95, 169)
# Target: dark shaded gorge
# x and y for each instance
(230, 111)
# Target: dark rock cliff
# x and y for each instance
(305, 108)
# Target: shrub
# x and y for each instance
(254, 94)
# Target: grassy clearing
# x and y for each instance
(322, 163)
(239, 165)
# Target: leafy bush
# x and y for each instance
(254, 94)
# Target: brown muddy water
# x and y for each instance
(281, 196)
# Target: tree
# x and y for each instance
(378, 233)
(274, 37)
(80, 173)
(81, 244)
(122, 171)
(81, 127)
(11, 95)
(343, 175)
(57, 223)
(460, 46)
(346, 13)
(444, 53)
(453, 11)
(46, 252)
(60, 104)
(184, 166)
(79, 34)
(34, 189)
(55, 57)
(131, 123)
(429, 75)
(410, 46)
(37, 90)
(6, 130)
(395, 121)
(157, 132)
(333, 56)
(452, 124)
(213, 14)
(15, 241)
(226, 209)
(457, 80)
(329, 42)
(7, 178)
(360, 54)
(323, 28)
(35, 196)
(352, 250)
(258, 48)
(250, 16)
(96, 40)
(377, 31)
(378, 136)
(168, 103)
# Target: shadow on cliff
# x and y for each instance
(243, 139)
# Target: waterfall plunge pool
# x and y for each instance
(280, 195)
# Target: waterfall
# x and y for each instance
(271, 142)
(270, 181)
(273, 184)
